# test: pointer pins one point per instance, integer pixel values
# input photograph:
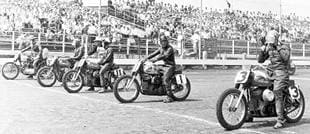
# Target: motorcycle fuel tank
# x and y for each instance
(260, 78)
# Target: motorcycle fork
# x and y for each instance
(240, 97)
(130, 82)
(76, 75)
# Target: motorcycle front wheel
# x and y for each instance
(72, 82)
(46, 77)
(228, 116)
(126, 89)
(10, 71)
(179, 92)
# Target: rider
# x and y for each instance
(35, 48)
(279, 55)
(78, 51)
(106, 56)
(165, 53)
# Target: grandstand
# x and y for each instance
(222, 32)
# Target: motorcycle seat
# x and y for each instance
(178, 71)
(114, 66)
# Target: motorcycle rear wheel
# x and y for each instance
(6, 75)
(243, 106)
(68, 78)
(180, 97)
(119, 90)
(41, 76)
(300, 113)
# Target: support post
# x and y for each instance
(13, 41)
(233, 47)
(63, 43)
(248, 48)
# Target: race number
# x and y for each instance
(119, 72)
(50, 63)
(294, 92)
(181, 79)
(242, 77)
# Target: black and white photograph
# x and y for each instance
(154, 66)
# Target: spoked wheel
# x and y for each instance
(72, 82)
(295, 108)
(229, 116)
(10, 71)
(126, 89)
(46, 77)
(180, 92)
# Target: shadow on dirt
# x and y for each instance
(153, 101)
(260, 124)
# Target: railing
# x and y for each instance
(136, 48)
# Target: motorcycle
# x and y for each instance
(86, 73)
(22, 64)
(54, 70)
(253, 97)
(147, 79)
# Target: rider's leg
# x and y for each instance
(167, 76)
(103, 69)
(280, 83)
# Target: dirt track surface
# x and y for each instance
(28, 108)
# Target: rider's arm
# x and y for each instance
(25, 49)
(153, 54)
(262, 56)
(79, 55)
(167, 54)
(93, 50)
(107, 58)
(285, 54)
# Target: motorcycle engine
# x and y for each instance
(260, 102)
(152, 84)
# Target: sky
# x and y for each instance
(300, 7)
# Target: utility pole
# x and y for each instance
(280, 28)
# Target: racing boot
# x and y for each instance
(30, 77)
(279, 124)
(168, 99)
(92, 89)
(102, 90)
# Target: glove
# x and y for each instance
(263, 48)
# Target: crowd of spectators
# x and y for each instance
(178, 21)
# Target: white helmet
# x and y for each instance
(45, 53)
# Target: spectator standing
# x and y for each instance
(130, 41)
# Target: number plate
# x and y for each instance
(294, 92)
(181, 79)
(242, 77)
(52, 62)
(119, 72)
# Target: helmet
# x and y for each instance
(163, 38)
(45, 53)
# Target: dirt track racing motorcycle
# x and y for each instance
(86, 73)
(253, 97)
(22, 64)
(55, 69)
(147, 79)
